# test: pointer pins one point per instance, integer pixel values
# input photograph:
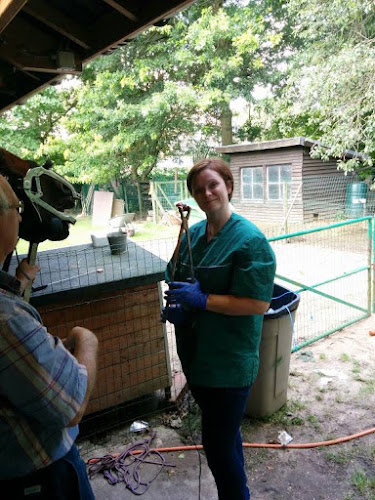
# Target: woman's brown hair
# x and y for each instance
(216, 164)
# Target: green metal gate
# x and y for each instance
(331, 267)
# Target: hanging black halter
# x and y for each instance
(46, 195)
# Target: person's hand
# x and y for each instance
(175, 314)
(68, 344)
(76, 337)
(188, 293)
(69, 341)
(26, 271)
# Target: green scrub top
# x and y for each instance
(219, 350)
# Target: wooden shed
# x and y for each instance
(278, 180)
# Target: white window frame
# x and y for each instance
(279, 182)
(251, 183)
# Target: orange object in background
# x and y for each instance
(372, 333)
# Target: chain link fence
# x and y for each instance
(326, 258)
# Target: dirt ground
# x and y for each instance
(331, 394)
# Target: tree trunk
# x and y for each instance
(140, 201)
(216, 5)
(226, 124)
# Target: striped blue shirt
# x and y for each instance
(42, 387)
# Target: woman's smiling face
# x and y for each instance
(210, 191)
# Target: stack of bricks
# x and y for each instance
(133, 351)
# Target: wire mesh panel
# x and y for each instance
(133, 354)
(119, 297)
(315, 201)
(170, 192)
(73, 268)
(325, 198)
(164, 196)
(331, 268)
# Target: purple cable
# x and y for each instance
(126, 467)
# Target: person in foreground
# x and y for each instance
(45, 385)
(218, 318)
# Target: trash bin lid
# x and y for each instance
(283, 302)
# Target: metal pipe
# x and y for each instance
(326, 295)
(317, 229)
(369, 273)
(325, 334)
(344, 275)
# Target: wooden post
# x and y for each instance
(140, 201)
(290, 208)
(175, 180)
(285, 207)
(152, 191)
(126, 199)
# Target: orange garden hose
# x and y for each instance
(257, 445)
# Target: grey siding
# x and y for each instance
(314, 166)
(324, 188)
(274, 210)
(319, 189)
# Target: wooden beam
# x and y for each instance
(115, 30)
(58, 21)
(8, 10)
(27, 91)
(125, 12)
(42, 64)
(30, 48)
(5, 74)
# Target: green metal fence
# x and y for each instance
(164, 196)
(331, 267)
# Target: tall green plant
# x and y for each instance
(25, 129)
(172, 87)
(330, 91)
(167, 90)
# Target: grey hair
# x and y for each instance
(4, 202)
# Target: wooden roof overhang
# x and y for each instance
(43, 40)
(248, 147)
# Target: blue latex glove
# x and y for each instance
(176, 314)
(187, 293)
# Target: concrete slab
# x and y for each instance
(189, 476)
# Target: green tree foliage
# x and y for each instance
(148, 99)
(25, 129)
(225, 49)
(120, 130)
(330, 94)
(172, 83)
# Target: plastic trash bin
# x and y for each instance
(269, 391)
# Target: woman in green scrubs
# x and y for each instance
(218, 318)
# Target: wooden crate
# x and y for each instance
(133, 353)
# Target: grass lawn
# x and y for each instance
(81, 231)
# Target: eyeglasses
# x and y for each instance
(20, 207)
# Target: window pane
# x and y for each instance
(258, 191)
(246, 191)
(246, 174)
(252, 183)
(286, 173)
(273, 191)
(273, 174)
(258, 175)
